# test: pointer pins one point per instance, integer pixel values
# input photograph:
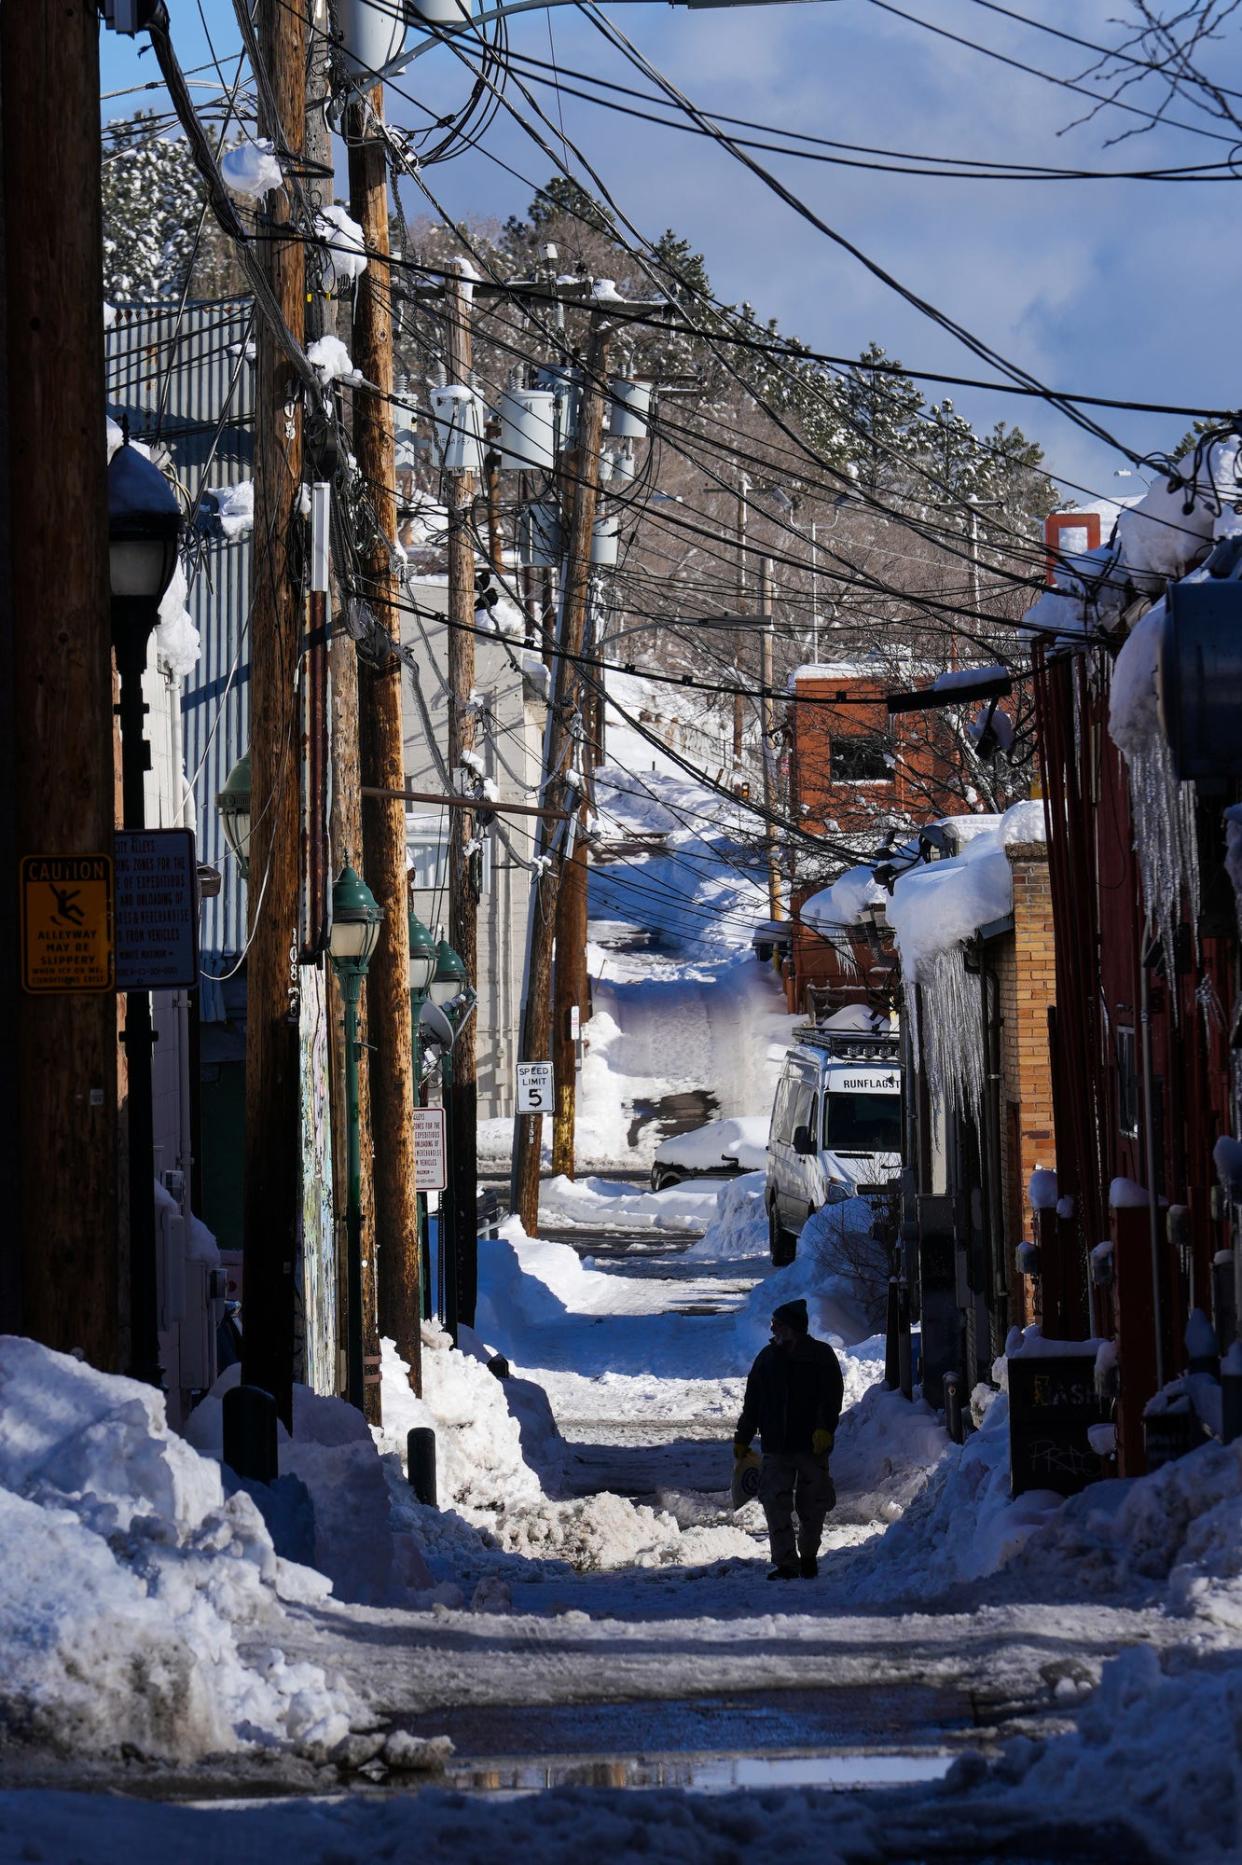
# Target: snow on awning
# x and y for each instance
(935, 909)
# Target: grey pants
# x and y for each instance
(799, 1484)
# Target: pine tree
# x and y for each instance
(152, 207)
(880, 409)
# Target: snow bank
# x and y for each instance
(739, 1230)
(482, 1475)
(356, 1543)
(841, 1271)
(613, 1203)
(963, 1526)
(130, 1587)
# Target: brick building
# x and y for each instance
(854, 775)
(1026, 977)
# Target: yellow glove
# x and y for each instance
(821, 1443)
(739, 1449)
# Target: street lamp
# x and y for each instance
(144, 526)
(233, 808)
(450, 975)
(356, 918)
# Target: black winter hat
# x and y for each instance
(794, 1316)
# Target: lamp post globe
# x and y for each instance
(144, 526)
(356, 920)
(423, 958)
(233, 809)
(450, 975)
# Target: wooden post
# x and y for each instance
(463, 867)
(566, 686)
(62, 1122)
(345, 829)
(273, 1088)
(392, 1061)
(767, 718)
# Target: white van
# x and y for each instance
(836, 1128)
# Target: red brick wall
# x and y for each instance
(1027, 978)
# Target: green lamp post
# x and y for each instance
(356, 918)
(422, 971)
(233, 808)
(450, 987)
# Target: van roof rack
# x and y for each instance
(850, 1045)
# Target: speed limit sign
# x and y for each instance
(534, 1087)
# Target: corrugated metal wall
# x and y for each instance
(185, 378)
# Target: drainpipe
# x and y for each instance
(1149, 1155)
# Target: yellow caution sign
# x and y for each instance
(66, 903)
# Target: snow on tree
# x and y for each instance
(153, 201)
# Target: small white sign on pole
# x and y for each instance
(430, 1173)
(534, 1087)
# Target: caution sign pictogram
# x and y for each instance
(66, 907)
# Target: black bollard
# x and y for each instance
(420, 1464)
(953, 1407)
(905, 1346)
(1231, 1400)
(892, 1357)
(250, 1433)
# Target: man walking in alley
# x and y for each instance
(793, 1400)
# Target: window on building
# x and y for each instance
(861, 759)
(428, 857)
(1127, 1085)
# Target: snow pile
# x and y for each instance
(483, 1476)
(841, 1271)
(887, 1447)
(345, 251)
(612, 1202)
(842, 905)
(964, 1524)
(252, 168)
(739, 1230)
(235, 508)
(1041, 1190)
(744, 1141)
(332, 361)
(357, 1545)
(129, 1585)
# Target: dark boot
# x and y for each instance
(808, 1566)
(783, 1573)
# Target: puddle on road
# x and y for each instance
(704, 1774)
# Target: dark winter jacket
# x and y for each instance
(791, 1393)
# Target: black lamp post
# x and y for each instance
(356, 918)
(144, 525)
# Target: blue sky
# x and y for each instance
(1116, 288)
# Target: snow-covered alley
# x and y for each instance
(580, 1646)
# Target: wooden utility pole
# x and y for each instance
(62, 1126)
(383, 764)
(767, 719)
(562, 716)
(464, 867)
(273, 1086)
(571, 986)
(739, 703)
(345, 827)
